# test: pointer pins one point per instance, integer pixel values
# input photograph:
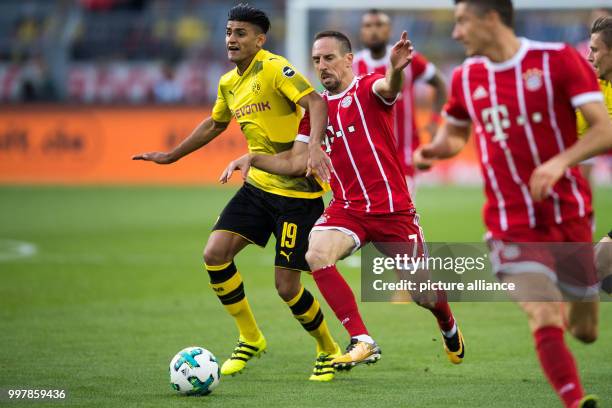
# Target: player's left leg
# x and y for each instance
(405, 228)
(582, 320)
(293, 225)
(603, 262)
(307, 311)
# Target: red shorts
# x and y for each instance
(562, 252)
(399, 227)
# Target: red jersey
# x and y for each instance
(523, 111)
(367, 172)
(404, 124)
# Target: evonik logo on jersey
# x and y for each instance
(252, 108)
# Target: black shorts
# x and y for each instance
(255, 214)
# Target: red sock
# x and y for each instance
(340, 298)
(442, 312)
(558, 364)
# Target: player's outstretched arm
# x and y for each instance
(448, 142)
(206, 131)
(401, 56)
(288, 163)
(597, 139)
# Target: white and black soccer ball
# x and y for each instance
(194, 371)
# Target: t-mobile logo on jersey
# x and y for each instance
(496, 119)
(331, 135)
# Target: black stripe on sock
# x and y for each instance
(315, 323)
(303, 304)
(222, 275)
(234, 296)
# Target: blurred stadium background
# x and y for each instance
(86, 83)
(100, 259)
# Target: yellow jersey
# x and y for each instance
(264, 102)
(606, 89)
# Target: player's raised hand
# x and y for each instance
(242, 163)
(401, 53)
(544, 178)
(319, 164)
(156, 157)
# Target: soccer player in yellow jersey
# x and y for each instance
(600, 56)
(262, 93)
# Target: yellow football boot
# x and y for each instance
(588, 401)
(323, 369)
(454, 347)
(243, 352)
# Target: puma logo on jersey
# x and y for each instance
(480, 93)
(286, 255)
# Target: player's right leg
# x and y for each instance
(226, 281)
(547, 321)
(329, 244)
(243, 221)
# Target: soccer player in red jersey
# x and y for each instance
(520, 96)
(371, 202)
(375, 36)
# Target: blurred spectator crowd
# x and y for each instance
(171, 51)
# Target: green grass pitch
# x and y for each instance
(117, 286)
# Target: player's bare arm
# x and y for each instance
(318, 162)
(288, 163)
(448, 142)
(206, 131)
(597, 139)
(438, 83)
(401, 56)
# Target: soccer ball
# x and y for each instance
(194, 371)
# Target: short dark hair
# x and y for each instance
(345, 43)
(603, 25)
(247, 13)
(504, 8)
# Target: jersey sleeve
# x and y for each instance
(422, 69)
(221, 112)
(289, 82)
(455, 111)
(577, 78)
(304, 129)
(370, 81)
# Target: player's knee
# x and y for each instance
(585, 333)
(286, 290)
(214, 255)
(544, 315)
(318, 258)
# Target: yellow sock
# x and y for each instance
(307, 311)
(226, 281)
